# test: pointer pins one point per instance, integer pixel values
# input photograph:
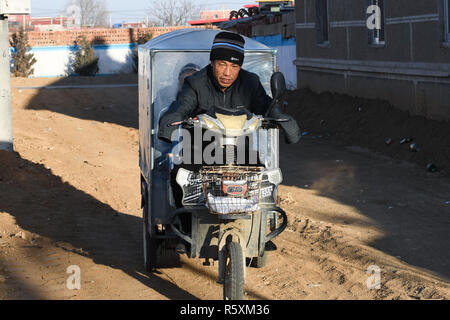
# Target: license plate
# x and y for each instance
(266, 192)
(235, 188)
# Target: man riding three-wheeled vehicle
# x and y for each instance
(209, 150)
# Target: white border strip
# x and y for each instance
(311, 25)
(413, 19)
(386, 67)
(362, 23)
(347, 24)
(380, 76)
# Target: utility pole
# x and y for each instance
(17, 7)
(6, 133)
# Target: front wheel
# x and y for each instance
(233, 286)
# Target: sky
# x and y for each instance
(128, 10)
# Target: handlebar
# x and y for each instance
(192, 121)
(275, 120)
(188, 122)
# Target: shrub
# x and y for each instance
(23, 61)
(86, 62)
(141, 40)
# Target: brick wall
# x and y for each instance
(98, 36)
(214, 14)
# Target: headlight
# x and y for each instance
(228, 141)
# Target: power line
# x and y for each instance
(205, 4)
(119, 14)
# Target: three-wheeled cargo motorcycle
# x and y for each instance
(223, 208)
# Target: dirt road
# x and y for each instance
(70, 197)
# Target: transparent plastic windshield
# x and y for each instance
(267, 147)
(166, 67)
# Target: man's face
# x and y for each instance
(225, 72)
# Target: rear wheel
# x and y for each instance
(233, 286)
(150, 243)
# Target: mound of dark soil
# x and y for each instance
(371, 124)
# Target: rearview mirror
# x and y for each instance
(277, 85)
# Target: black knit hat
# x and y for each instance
(228, 46)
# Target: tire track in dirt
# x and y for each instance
(344, 264)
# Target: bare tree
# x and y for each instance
(92, 13)
(173, 12)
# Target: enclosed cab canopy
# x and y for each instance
(160, 63)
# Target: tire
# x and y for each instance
(234, 15)
(150, 244)
(242, 13)
(260, 262)
(253, 11)
(233, 285)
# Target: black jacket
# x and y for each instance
(201, 91)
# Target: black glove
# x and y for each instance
(165, 133)
(292, 133)
(165, 130)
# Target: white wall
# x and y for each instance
(58, 61)
(117, 58)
